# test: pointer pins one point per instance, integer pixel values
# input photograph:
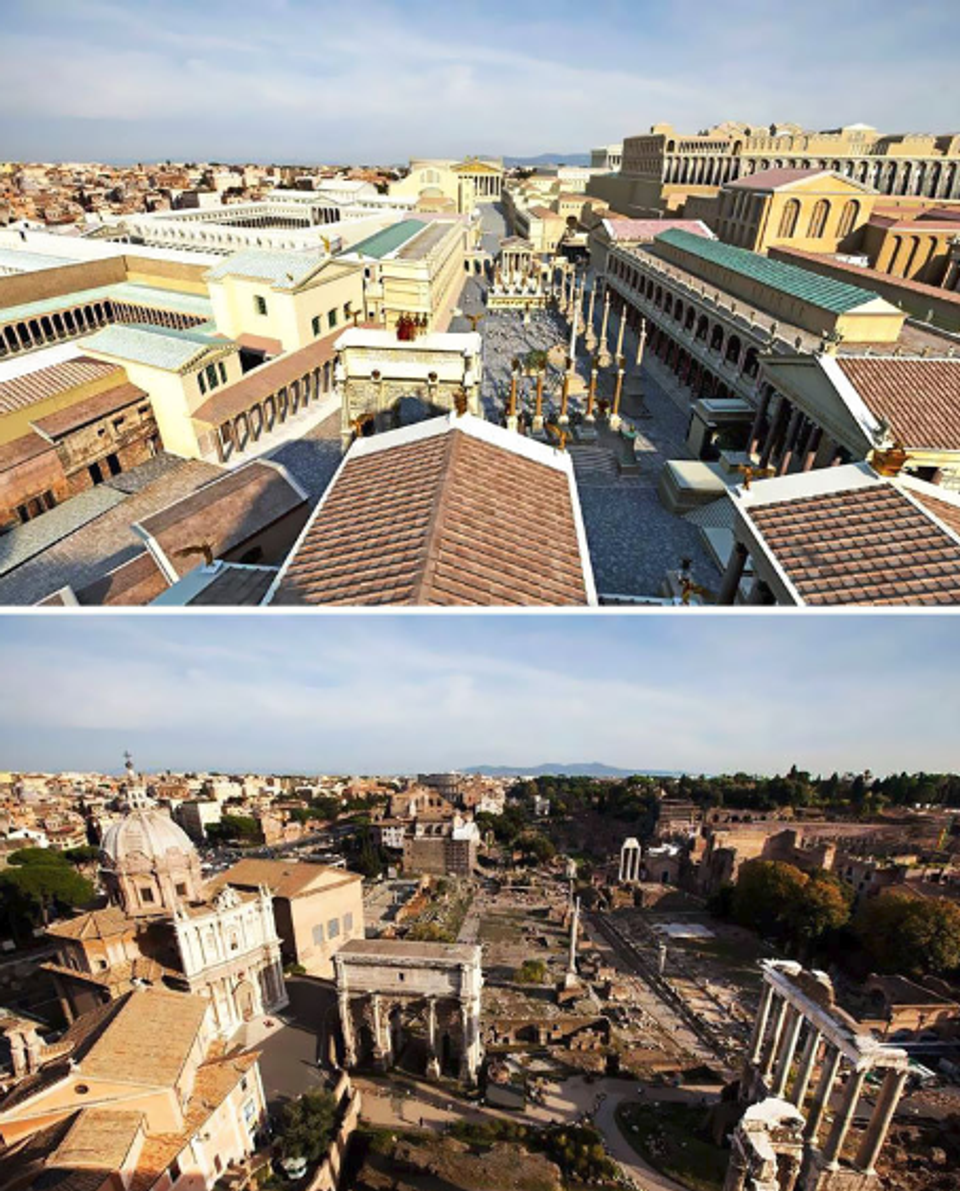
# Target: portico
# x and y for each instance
(799, 1034)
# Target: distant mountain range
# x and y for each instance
(556, 769)
(547, 159)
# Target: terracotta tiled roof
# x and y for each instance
(267, 379)
(81, 413)
(949, 514)
(22, 391)
(920, 398)
(131, 584)
(639, 230)
(28, 446)
(869, 545)
(95, 924)
(771, 179)
(284, 878)
(224, 514)
(448, 518)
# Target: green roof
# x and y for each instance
(381, 244)
(158, 347)
(822, 292)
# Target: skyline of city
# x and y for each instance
(307, 82)
(402, 694)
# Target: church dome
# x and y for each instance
(146, 833)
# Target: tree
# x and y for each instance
(307, 1125)
(766, 889)
(823, 905)
(531, 971)
(536, 848)
(910, 935)
(234, 828)
(40, 883)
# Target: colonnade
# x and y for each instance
(244, 429)
(631, 857)
(922, 177)
(795, 1039)
(28, 334)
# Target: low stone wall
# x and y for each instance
(327, 1175)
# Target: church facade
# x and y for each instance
(160, 929)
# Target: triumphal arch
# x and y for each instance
(375, 369)
(397, 997)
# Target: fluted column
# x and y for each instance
(346, 1029)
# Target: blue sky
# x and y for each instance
(379, 80)
(402, 693)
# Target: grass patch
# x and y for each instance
(499, 928)
(672, 1138)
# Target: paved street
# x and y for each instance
(423, 1105)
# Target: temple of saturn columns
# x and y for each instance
(393, 994)
(809, 1061)
(631, 857)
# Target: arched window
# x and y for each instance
(818, 220)
(848, 218)
(788, 220)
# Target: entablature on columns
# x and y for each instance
(861, 1050)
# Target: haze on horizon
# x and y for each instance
(402, 693)
(309, 82)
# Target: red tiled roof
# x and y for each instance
(949, 514)
(20, 450)
(919, 398)
(260, 382)
(864, 546)
(224, 514)
(640, 230)
(91, 409)
(771, 179)
(22, 391)
(132, 584)
(447, 519)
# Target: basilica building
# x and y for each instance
(159, 928)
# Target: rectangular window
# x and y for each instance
(333, 928)
(146, 895)
(223, 372)
(211, 372)
(318, 933)
(332, 318)
(347, 312)
(260, 304)
(315, 325)
(202, 383)
(347, 923)
(249, 1113)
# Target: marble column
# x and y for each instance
(807, 1060)
(538, 408)
(777, 427)
(760, 1024)
(844, 1118)
(788, 1046)
(769, 1054)
(813, 445)
(592, 391)
(821, 1097)
(433, 1058)
(790, 442)
(615, 419)
(886, 1106)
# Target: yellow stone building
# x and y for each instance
(662, 167)
(813, 211)
(463, 184)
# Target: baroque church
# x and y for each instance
(159, 928)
